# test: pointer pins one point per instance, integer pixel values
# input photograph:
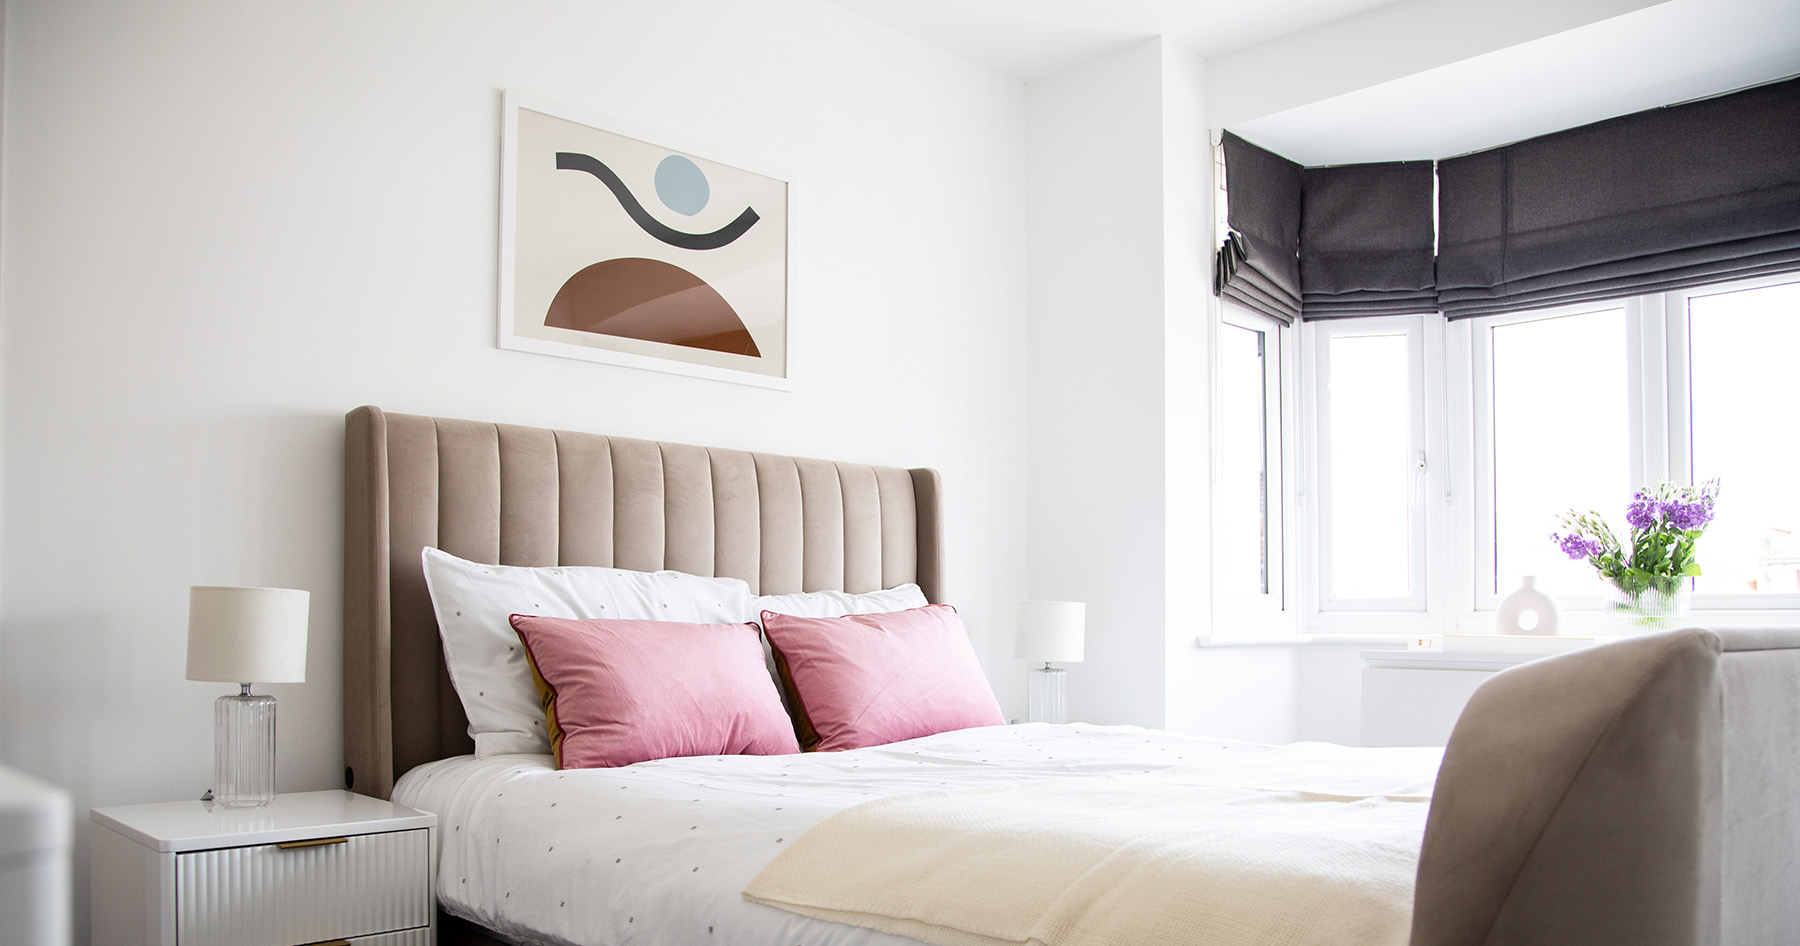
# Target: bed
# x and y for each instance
(1643, 792)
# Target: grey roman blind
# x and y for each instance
(1663, 199)
(1366, 240)
(1258, 264)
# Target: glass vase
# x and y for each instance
(1648, 611)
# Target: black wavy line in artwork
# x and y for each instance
(575, 161)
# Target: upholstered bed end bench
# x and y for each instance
(1645, 792)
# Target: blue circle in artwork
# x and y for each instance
(682, 185)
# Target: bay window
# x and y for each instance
(1432, 458)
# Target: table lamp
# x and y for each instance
(1050, 631)
(237, 635)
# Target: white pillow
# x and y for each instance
(487, 664)
(835, 604)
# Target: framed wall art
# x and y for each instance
(621, 247)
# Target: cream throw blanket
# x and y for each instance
(1303, 844)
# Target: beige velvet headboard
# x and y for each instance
(529, 496)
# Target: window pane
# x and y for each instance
(1241, 514)
(1560, 442)
(1742, 350)
(1370, 483)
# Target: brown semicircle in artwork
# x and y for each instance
(653, 301)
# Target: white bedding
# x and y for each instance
(659, 853)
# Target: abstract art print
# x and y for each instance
(620, 249)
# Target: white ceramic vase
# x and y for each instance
(1529, 600)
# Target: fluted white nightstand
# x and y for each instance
(312, 867)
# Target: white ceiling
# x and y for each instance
(1669, 52)
(1659, 55)
(1028, 39)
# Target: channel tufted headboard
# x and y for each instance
(529, 496)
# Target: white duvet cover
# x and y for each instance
(659, 853)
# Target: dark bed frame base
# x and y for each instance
(456, 931)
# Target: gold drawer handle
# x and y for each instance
(316, 842)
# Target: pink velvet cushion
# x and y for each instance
(618, 692)
(869, 679)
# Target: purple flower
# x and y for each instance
(1685, 516)
(1642, 512)
(1578, 546)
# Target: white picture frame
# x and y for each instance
(625, 246)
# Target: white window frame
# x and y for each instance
(1424, 608)
(1660, 439)
(1479, 365)
(1453, 498)
(1757, 609)
(1453, 535)
(1271, 612)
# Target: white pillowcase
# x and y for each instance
(834, 604)
(486, 662)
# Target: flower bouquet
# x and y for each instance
(1650, 575)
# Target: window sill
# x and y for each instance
(1364, 638)
(1589, 623)
(1251, 640)
(1439, 660)
(1581, 627)
(1295, 640)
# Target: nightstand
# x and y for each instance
(311, 868)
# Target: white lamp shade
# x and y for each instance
(247, 635)
(1051, 631)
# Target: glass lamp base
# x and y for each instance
(244, 750)
(1046, 702)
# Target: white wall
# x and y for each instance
(1095, 425)
(1328, 691)
(1187, 403)
(228, 223)
(4, 60)
(1118, 422)
(1236, 692)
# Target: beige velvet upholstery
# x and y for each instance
(528, 496)
(1644, 793)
